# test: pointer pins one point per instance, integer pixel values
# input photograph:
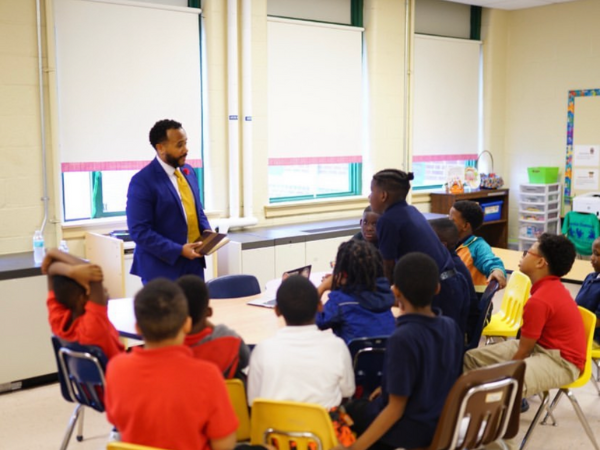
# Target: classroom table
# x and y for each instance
(511, 258)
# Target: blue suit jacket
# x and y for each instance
(157, 224)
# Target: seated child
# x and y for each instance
(552, 341)
(589, 294)
(448, 234)
(402, 229)
(473, 250)
(78, 304)
(423, 360)
(300, 363)
(360, 299)
(368, 227)
(215, 343)
(160, 395)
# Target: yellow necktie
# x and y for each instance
(189, 205)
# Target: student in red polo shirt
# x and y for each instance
(77, 302)
(160, 395)
(552, 341)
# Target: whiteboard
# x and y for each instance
(120, 67)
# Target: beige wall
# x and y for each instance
(532, 58)
(537, 55)
(21, 210)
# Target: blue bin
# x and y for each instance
(492, 210)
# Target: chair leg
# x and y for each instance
(79, 435)
(70, 427)
(536, 419)
(550, 408)
(582, 418)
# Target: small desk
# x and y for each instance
(511, 259)
(252, 323)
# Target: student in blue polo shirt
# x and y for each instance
(402, 229)
(588, 296)
(423, 359)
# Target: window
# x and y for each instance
(106, 112)
(314, 102)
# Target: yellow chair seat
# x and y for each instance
(506, 322)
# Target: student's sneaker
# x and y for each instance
(114, 436)
(524, 405)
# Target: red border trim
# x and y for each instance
(315, 160)
(114, 165)
(430, 158)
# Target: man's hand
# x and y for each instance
(84, 274)
(498, 276)
(189, 250)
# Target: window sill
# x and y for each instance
(315, 206)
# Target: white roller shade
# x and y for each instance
(314, 92)
(121, 66)
(446, 99)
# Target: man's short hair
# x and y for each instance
(158, 133)
(297, 300)
(558, 251)
(416, 275)
(470, 211)
(66, 290)
(395, 182)
(196, 294)
(446, 231)
(160, 310)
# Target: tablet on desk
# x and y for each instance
(270, 301)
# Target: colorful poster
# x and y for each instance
(586, 155)
(585, 179)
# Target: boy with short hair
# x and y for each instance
(552, 341)
(215, 343)
(475, 252)
(161, 396)
(402, 229)
(368, 227)
(589, 294)
(78, 304)
(300, 363)
(423, 359)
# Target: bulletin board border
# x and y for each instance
(570, 128)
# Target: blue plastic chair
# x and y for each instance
(81, 375)
(368, 355)
(233, 286)
(485, 307)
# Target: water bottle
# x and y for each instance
(38, 247)
(63, 247)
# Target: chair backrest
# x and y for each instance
(233, 286)
(127, 446)
(291, 425)
(81, 372)
(485, 304)
(483, 406)
(589, 325)
(368, 357)
(237, 395)
(515, 295)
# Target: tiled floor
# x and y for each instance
(36, 419)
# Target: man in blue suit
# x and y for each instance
(156, 216)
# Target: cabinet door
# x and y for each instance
(322, 252)
(289, 256)
(259, 262)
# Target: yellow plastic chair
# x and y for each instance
(589, 324)
(596, 361)
(506, 322)
(127, 446)
(281, 423)
(237, 394)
